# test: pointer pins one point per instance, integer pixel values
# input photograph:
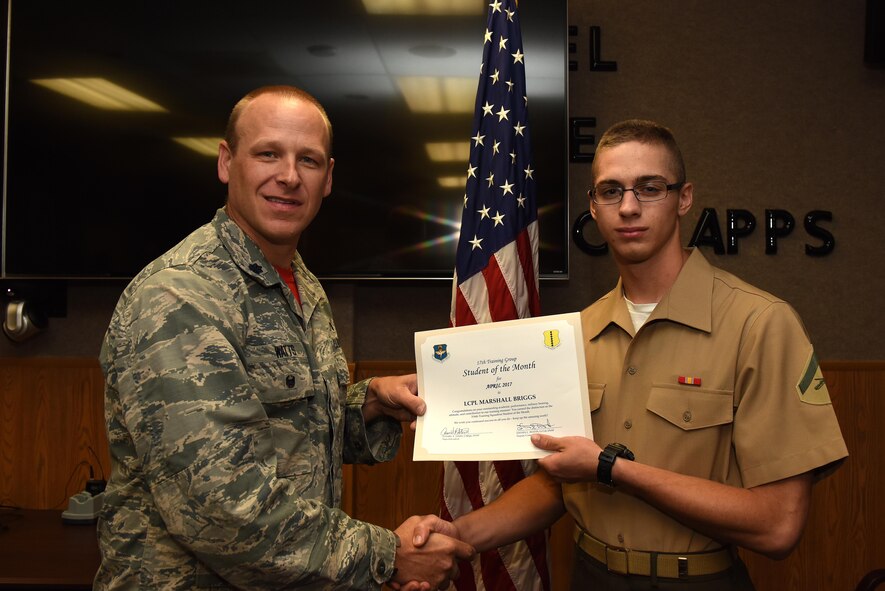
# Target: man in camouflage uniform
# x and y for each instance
(227, 400)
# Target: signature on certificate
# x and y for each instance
(526, 428)
(454, 432)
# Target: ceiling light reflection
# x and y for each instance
(452, 182)
(429, 94)
(429, 7)
(100, 93)
(448, 151)
(207, 146)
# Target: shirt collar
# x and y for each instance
(243, 250)
(689, 301)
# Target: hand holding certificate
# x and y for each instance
(488, 387)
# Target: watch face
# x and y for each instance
(620, 450)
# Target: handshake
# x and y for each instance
(427, 554)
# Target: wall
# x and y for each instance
(773, 108)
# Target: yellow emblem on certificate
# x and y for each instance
(551, 339)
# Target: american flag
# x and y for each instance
(496, 278)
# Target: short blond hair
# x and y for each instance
(644, 132)
(292, 92)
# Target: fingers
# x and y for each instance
(428, 552)
(463, 551)
(399, 393)
(428, 524)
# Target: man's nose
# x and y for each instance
(629, 202)
(287, 174)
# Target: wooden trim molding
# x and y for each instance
(51, 422)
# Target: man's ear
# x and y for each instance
(328, 187)
(224, 158)
(686, 198)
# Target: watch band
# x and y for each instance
(607, 458)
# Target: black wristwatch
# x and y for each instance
(607, 458)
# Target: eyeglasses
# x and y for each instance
(609, 194)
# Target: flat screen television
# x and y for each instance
(91, 192)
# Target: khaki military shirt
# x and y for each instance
(228, 418)
(721, 382)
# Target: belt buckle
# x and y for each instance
(618, 557)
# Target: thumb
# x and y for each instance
(547, 442)
(424, 528)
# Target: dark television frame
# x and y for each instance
(47, 223)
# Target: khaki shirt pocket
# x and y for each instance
(286, 395)
(691, 408)
(595, 393)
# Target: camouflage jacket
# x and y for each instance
(228, 417)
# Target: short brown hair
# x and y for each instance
(292, 92)
(644, 132)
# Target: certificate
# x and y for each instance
(489, 387)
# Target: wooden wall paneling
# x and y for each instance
(10, 427)
(52, 424)
(51, 413)
(386, 494)
(845, 534)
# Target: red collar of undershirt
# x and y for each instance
(288, 276)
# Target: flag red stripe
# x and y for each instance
(469, 472)
(501, 304)
(537, 544)
(509, 472)
(525, 248)
(494, 574)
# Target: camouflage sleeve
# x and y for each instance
(205, 447)
(372, 443)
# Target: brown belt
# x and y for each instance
(670, 565)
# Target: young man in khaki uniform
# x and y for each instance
(711, 417)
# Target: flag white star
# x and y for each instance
(494, 77)
(495, 6)
(488, 37)
(513, 157)
(475, 242)
(471, 171)
(518, 128)
(495, 147)
(521, 200)
(528, 172)
(483, 213)
(508, 187)
(487, 109)
(465, 200)
(509, 84)
(510, 14)
(502, 115)
(478, 139)
(491, 178)
(502, 43)
(499, 219)
(517, 57)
